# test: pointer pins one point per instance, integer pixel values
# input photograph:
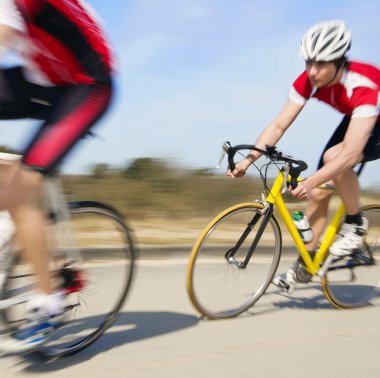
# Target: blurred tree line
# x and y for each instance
(155, 187)
(8, 150)
(150, 186)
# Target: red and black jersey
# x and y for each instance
(357, 94)
(68, 44)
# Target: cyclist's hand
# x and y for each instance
(240, 169)
(302, 191)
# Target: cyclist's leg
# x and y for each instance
(72, 113)
(353, 230)
(75, 113)
(316, 212)
(21, 99)
(19, 185)
(355, 226)
(19, 196)
(14, 104)
(347, 183)
(75, 110)
(317, 207)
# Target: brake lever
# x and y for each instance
(223, 154)
(225, 148)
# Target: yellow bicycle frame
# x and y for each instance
(275, 198)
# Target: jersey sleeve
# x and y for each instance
(10, 16)
(301, 90)
(365, 102)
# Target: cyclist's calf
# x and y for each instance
(316, 212)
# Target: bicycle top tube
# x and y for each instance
(270, 152)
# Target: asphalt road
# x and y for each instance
(159, 334)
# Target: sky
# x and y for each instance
(195, 73)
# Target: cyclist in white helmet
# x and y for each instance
(352, 88)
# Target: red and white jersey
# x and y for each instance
(61, 41)
(357, 94)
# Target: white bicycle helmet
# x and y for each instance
(326, 41)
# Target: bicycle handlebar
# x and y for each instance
(272, 153)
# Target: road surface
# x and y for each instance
(159, 334)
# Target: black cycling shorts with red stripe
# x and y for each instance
(68, 114)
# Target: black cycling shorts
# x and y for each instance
(371, 150)
(68, 113)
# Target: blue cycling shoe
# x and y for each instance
(37, 328)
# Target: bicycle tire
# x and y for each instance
(208, 263)
(95, 227)
(353, 281)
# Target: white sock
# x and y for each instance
(49, 304)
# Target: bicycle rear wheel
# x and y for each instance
(218, 286)
(94, 263)
(354, 281)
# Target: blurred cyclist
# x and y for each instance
(66, 83)
(352, 88)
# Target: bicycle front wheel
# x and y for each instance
(219, 286)
(354, 281)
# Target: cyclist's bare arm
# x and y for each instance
(345, 155)
(270, 136)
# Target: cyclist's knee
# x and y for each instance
(23, 187)
(319, 195)
(332, 153)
